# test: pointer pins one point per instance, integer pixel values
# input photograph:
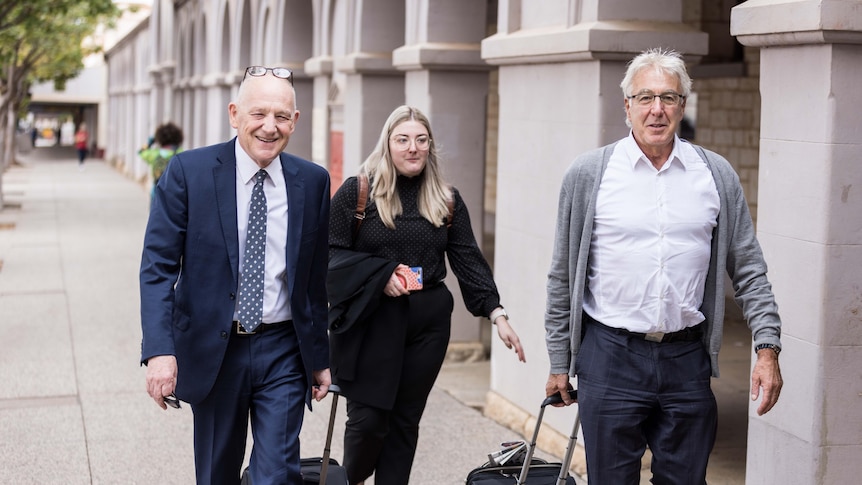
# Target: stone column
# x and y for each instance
(373, 87)
(560, 66)
(810, 227)
(218, 95)
(197, 133)
(448, 80)
(156, 96)
(168, 70)
(320, 69)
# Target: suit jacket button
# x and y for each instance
(223, 335)
(233, 296)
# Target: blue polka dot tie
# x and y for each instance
(251, 286)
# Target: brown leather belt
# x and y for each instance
(237, 329)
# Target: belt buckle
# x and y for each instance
(654, 336)
(241, 331)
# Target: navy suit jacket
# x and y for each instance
(189, 268)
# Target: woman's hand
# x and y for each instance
(509, 337)
(393, 287)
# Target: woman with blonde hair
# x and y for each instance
(387, 350)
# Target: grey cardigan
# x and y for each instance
(734, 248)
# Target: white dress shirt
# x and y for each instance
(650, 249)
(276, 306)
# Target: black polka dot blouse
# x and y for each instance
(416, 242)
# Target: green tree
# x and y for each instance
(40, 41)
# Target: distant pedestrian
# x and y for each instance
(168, 137)
(81, 139)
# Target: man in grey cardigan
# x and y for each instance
(646, 229)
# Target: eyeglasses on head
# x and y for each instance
(279, 72)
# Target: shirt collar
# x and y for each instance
(634, 154)
(248, 168)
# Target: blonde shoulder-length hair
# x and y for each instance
(434, 192)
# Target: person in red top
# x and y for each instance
(82, 137)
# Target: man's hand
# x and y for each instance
(766, 375)
(559, 383)
(161, 378)
(322, 381)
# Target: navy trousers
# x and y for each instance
(262, 377)
(634, 393)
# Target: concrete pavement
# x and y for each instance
(72, 405)
(73, 409)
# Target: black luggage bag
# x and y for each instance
(529, 470)
(321, 470)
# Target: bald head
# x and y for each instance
(264, 115)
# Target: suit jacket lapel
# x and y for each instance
(295, 187)
(224, 178)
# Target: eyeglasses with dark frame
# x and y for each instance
(669, 99)
(172, 401)
(279, 72)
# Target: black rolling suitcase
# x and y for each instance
(523, 469)
(321, 470)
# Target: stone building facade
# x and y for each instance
(515, 90)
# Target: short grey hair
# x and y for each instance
(667, 61)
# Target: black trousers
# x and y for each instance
(633, 393)
(382, 441)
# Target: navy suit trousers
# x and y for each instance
(262, 377)
(635, 393)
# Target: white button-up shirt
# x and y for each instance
(276, 306)
(650, 249)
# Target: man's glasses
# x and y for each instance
(402, 142)
(172, 401)
(279, 72)
(668, 99)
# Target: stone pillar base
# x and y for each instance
(465, 352)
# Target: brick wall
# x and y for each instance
(728, 120)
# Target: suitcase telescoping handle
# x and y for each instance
(324, 467)
(564, 467)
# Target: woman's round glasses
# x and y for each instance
(402, 142)
(279, 72)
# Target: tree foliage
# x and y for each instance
(40, 41)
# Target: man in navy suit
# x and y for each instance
(191, 281)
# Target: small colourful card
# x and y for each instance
(411, 278)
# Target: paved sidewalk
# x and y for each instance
(73, 409)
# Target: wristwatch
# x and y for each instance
(499, 312)
(774, 348)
